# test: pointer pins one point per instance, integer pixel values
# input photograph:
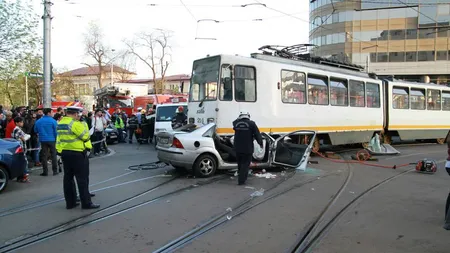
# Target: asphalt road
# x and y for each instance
(143, 210)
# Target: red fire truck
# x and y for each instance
(147, 102)
(114, 97)
(62, 104)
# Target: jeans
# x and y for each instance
(98, 137)
(36, 153)
(120, 134)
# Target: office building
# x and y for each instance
(408, 39)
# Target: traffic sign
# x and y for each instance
(33, 74)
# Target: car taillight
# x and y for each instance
(176, 143)
(19, 150)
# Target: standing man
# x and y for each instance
(45, 127)
(99, 125)
(72, 138)
(245, 131)
(132, 127)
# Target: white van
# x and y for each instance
(164, 115)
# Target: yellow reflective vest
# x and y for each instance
(88, 144)
(72, 135)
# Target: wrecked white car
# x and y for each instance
(203, 151)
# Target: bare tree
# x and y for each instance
(96, 49)
(127, 62)
(153, 49)
(64, 85)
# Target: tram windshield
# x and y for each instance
(205, 76)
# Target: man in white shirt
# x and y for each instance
(99, 125)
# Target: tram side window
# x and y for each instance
(293, 89)
(373, 95)
(317, 90)
(445, 100)
(434, 99)
(338, 92)
(417, 97)
(357, 98)
(225, 88)
(245, 84)
(400, 98)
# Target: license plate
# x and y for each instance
(112, 136)
(164, 140)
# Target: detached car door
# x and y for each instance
(288, 150)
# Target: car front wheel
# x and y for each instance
(4, 178)
(205, 166)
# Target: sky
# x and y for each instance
(284, 22)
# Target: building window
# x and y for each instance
(357, 98)
(427, 33)
(441, 55)
(400, 98)
(411, 56)
(411, 34)
(245, 84)
(396, 57)
(382, 57)
(293, 88)
(443, 32)
(338, 92)
(417, 99)
(373, 95)
(445, 100)
(427, 16)
(426, 56)
(397, 34)
(317, 90)
(434, 100)
(373, 57)
(226, 87)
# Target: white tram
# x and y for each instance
(341, 103)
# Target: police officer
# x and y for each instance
(245, 131)
(71, 140)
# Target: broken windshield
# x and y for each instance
(205, 76)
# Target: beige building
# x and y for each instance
(409, 39)
(172, 84)
(80, 83)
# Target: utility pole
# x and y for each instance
(47, 96)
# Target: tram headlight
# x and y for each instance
(191, 120)
(210, 120)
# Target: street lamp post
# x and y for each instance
(112, 69)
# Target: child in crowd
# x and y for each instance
(22, 137)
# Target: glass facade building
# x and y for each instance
(406, 38)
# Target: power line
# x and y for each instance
(181, 1)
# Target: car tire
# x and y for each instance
(4, 178)
(205, 166)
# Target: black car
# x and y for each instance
(112, 134)
(12, 161)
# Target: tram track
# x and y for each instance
(70, 225)
(231, 213)
(59, 198)
(309, 238)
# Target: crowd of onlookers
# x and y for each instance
(36, 130)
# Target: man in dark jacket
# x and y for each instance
(245, 131)
(133, 124)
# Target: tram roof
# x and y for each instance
(307, 64)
